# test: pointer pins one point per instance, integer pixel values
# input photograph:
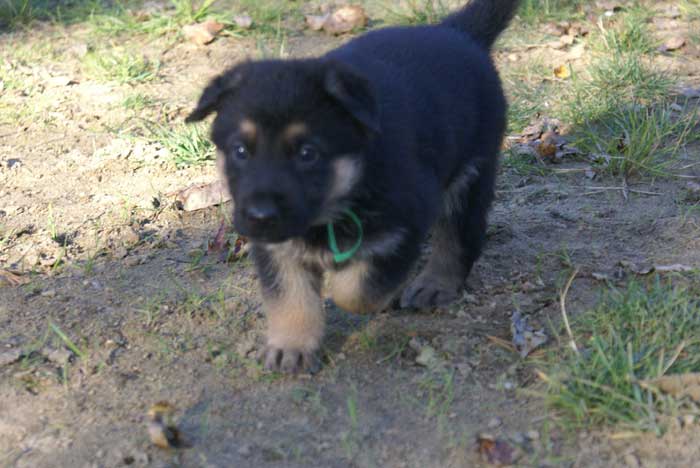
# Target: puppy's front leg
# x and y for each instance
(295, 316)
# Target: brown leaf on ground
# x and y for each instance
(345, 19)
(495, 451)
(316, 22)
(547, 148)
(674, 43)
(161, 429)
(678, 386)
(197, 197)
(243, 21)
(202, 33)
(13, 278)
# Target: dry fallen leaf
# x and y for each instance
(202, 33)
(495, 451)
(678, 386)
(525, 338)
(636, 269)
(197, 197)
(13, 278)
(674, 43)
(221, 244)
(548, 145)
(345, 19)
(243, 21)
(161, 429)
(562, 71)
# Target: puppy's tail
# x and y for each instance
(483, 20)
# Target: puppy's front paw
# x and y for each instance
(290, 361)
(429, 291)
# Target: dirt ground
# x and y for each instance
(87, 218)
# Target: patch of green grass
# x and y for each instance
(529, 93)
(137, 102)
(635, 334)
(613, 81)
(416, 12)
(690, 9)
(188, 144)
(535, 11)
(17, 13)
(119, 65)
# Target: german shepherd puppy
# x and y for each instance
(345, 163)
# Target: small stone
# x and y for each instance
(426, 357)
(533, 435)
(244, 450)
(10, 356)
(494, 423)
(60, 356)
(688, 420)
(631, 460)
(49, 293)
(518, 438)
(243, 21)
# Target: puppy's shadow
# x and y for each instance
(339, 326)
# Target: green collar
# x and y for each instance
(338, 256)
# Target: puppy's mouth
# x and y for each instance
(269, 233)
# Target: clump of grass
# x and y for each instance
(120, 66)
(634, 334)
(638, 139)
(629, 33)
(188, 144)
(420, 12)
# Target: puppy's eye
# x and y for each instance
(239, 152)
(308, 154)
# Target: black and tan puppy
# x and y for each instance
(345, 163)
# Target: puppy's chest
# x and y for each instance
(317, 253)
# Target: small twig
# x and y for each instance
(562, 302)
(625, 189)
(600, 189)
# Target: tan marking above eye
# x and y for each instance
(295, 130)
(248, 128)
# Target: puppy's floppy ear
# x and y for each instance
(352, 91)
(212, 94)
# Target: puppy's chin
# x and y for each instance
(268, 235)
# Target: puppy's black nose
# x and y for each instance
(262, 212)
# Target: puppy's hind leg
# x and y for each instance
(457, 240)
